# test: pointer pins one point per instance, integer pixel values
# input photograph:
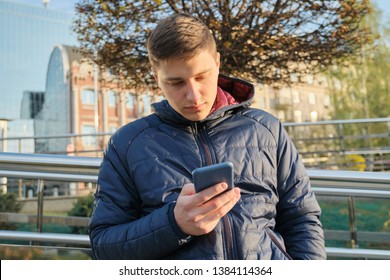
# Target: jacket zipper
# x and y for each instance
(230, 254)
(202, 143)
(226, 224)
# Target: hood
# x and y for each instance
(242, 91)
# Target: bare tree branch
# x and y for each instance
(264, 41)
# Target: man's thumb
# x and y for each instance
(188, 189)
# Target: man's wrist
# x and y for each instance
(183, 237)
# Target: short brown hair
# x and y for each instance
(179, 36)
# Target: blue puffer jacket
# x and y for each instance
(149, 160)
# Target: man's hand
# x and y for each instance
(199, 213)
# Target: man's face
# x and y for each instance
(190, 86)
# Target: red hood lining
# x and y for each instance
(240, 90)
(222, 99)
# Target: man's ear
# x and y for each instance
(154, 74)
(218, 59)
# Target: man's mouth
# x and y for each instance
(195, 108)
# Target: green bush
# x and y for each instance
(8, 203)
(82, 208)
(387, 224)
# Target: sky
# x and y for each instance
(384, 5)
(63, 5)
(67, 5)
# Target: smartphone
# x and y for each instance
(207, 176)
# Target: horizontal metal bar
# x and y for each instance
(84, 240)
(85, 165)
(349, 179)
(368, 152)
(362, 236)
(358, 253)
(351, 192)
(333, 122)
(383, 151)
(344, 235)
(45, 159)
(62, 238)
(59, 167)
(85, 169)
(342, 137)
(49, 176)
(56, 136)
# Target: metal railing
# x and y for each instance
(346, 144)
(358, 144)
(349, 184)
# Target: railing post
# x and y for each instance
(20, 188)
(40, 188)
(352, 222)
(340, 131)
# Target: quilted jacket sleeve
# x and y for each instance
(298, 218)
(117, 230)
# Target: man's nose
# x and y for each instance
(193, 92)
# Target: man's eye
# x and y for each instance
(175, 83)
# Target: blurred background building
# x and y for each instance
(47, 88)
(28, 34)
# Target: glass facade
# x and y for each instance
(55, 115)
(28, 35)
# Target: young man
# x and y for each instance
(146, 206)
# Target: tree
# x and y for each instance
(361, 88)
(262, 41)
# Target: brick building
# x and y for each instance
(81, 100)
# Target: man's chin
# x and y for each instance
(195, 117)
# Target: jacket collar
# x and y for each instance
(242, 91)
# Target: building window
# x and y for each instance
(314, 116)
(298, 116)
(296, 96)
(310, 79)
(312, 98)
(112, 98)
(130, 101)
(294, 77)
(326, 100)
(89, 140)
(88, 96)
(285, 95)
